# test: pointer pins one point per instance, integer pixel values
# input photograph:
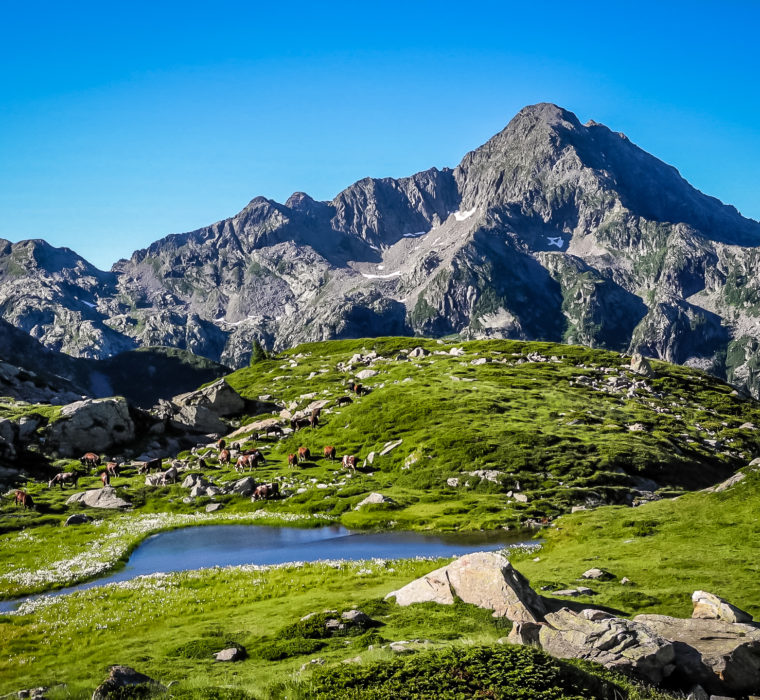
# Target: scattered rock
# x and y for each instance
(625, 581)
(419, 352)
(487, 474)
(366, 374)
(640, 365)
(77, 519)
(597, 575)
(99, 498)
(389, 446)
(242, 487)
(708, 606)
(452, 481)
(456, 352)
(312, 662)
(231, 654)
(121, 677)
(213, 507)
(375, 499)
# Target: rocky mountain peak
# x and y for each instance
(552, 230)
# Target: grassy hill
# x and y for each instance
(530, 414)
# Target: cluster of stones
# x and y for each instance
(716, 651)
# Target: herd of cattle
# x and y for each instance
(244, 459)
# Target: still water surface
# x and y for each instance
(232, 545)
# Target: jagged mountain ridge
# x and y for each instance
(551, 230)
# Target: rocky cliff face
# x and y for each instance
(552, 229)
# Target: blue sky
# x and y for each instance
(122, 123)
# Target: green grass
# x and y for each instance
(176, 622)
(668, 549)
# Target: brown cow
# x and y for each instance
(106, 479)
(349, 462)
(264, 491)
(292, 460)
(329, 452)
(112, 469)
(221, 444)
(314, 418)
(64, 478)
(224, 457)
(298, 423)
(90, 459)
(304, 455)
(23, 498)
(359, 389)
(150, 465)
(251, 460)
(344, 401)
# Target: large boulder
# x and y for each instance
(616, 643)
(197, 419)
(723, 657)
(92, 425)
(219, 398)
(485, 579)
(99, 498)
(640, 365)
(708, 606)
(121, 677)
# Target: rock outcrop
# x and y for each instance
(121, 677)
(485, 579)
(99, 498)
(723, 657)
(92, 425)
(718, 649)
(614, 642)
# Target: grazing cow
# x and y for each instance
(221, 444)
(24, 499)
(292, 460)
(248, 461)
(349, 462)
(329, 452)
(359, 389)
(154, 464)
(314, 418)
(64, 478)
(112, 468)
(170, 475)
(105, 478)
(344, 401)
(90, 459)
(304, 455)
(236, 445)
(224, 457)
(264, 491)
(298, 423)
(275, 430)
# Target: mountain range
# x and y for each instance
(551, 230)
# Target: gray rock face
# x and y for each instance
(485, 579)
(93, 425)
(551, 230)
(614, 642)
(219, 398)
(719, 655)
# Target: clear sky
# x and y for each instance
(123, 122)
